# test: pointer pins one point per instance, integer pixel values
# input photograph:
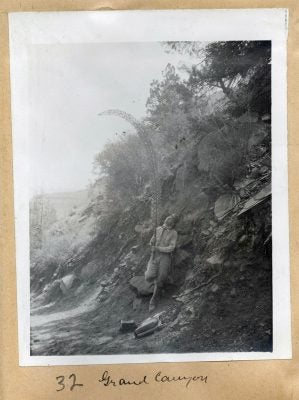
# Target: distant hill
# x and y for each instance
(65, 202)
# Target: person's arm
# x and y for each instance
(171, 246)
(153, 239)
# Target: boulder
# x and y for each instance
(127, 326)
(214, 288)
(88, 271)
(215, 260)
(141, 285)
(66, 282)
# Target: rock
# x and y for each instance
(183, 297)
(66, 282)
(264, 170)
(190, 275)
(266, 117)
(214, 288)
(190, 311)
(89, 270)
(242, 239)
(220, 231)
(150, 325)
(225, 204)
(52, 290)
(181, 256)
(127, 326)
(141, 285)
(255, 173)
(215, 260)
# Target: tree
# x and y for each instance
(168, 106)
(240, 69)
(125, 167)
(173, 114)
(41, 217)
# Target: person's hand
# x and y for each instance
(153, 248)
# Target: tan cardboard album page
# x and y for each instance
(145, 244)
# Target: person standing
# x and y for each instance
(162, 245)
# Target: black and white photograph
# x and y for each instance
(149, 198)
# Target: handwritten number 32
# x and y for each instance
(60, 381)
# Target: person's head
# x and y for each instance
(170, 221)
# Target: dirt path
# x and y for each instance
(88, 305)
(92, 327)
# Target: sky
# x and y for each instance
(69, 85)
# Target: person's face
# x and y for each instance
(169, 222)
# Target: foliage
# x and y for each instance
(222, 153)
(228, 80)
(124, 163)
(174, 113)
(241, 69)
(41, 216)
(62, 241)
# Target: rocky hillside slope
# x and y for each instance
(219, 297)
